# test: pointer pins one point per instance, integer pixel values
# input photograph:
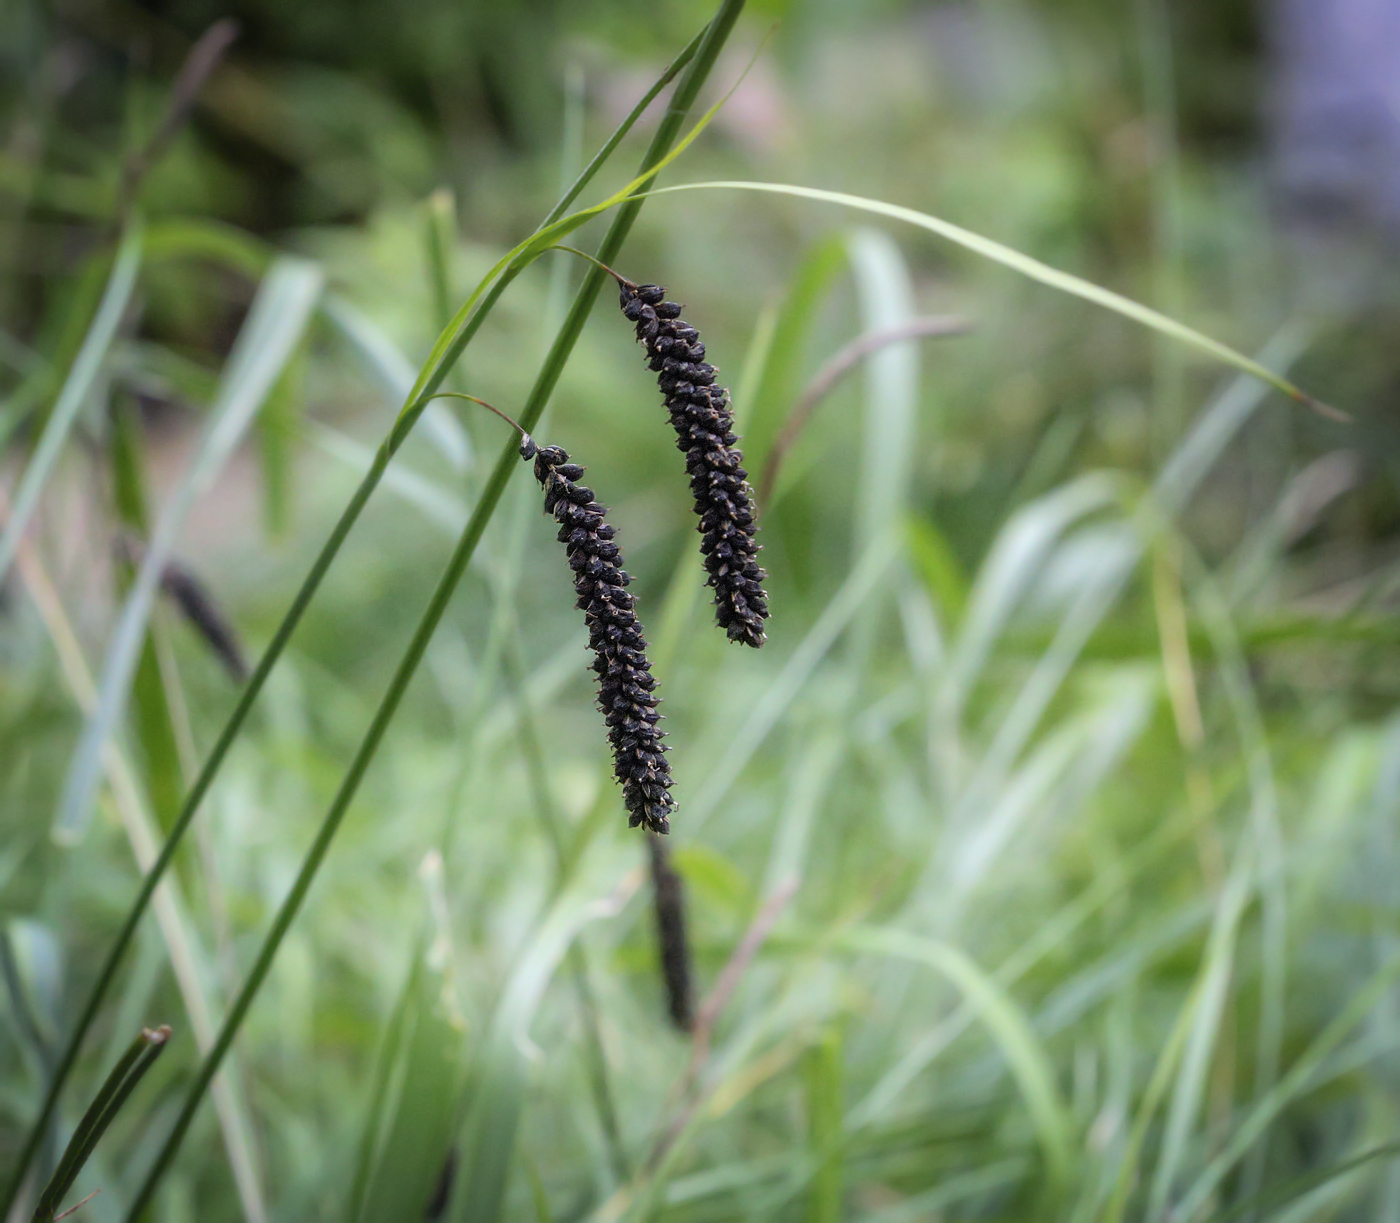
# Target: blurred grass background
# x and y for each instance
(1076, 723)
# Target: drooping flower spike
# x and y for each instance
(704, 424)
(625, 682)
(673, 944)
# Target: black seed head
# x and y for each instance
(624, 673)
(704, 425)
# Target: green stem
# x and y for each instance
(704, 59)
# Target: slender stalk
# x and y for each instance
(77, 1206)
(705, 56)
(303, 598)
(826, 378)
(199, 65)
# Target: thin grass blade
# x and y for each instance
(385, 361)
(415, 1126)
(1216, 973)
(786, 366)
(111, 1096)
(770, 707)
(1287, 1088)
(891, 387)
(1034, 269)
(823, 1073)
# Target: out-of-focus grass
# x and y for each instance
(1081, 746)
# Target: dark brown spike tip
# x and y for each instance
(673, 943)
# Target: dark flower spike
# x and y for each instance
(704, 425)
(625, 682)
(668, 899)
(197, 604)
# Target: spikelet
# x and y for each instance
(196, 603)
(704, 425)
(625, 682)
(200, 608)
(673, 945)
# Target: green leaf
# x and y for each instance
(1033, 268)
(1215, 979)
(383, 359)
(1027, 1059)
(789, 352)
(203, 238)
(770, 707)
(825, 1136)
(938, 566)
(103, 1110)
(1300, 1185)
(279, 423)
(155, 724)
(890, 444)
(440, 241)
(714, 878)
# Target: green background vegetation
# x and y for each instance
(1071, 761)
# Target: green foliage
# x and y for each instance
(1061, 799)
